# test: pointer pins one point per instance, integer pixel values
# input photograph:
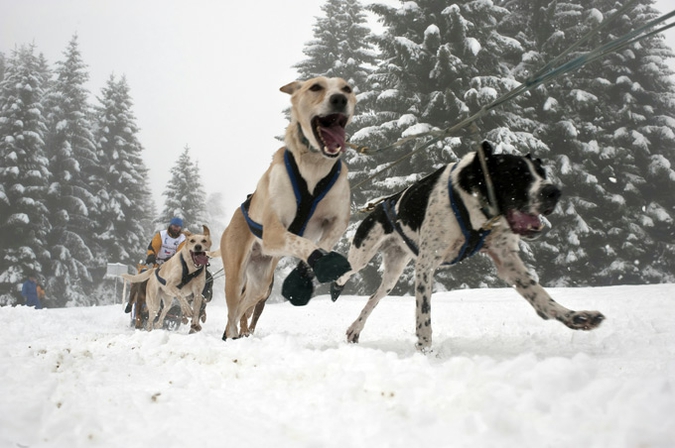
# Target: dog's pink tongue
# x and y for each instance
(524, 223)
(334, 138)
(200, 258)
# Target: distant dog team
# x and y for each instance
(183, 276)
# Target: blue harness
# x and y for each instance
(473, 239)
(305, 201)
(185, 279)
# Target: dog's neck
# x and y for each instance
(304, 141)
(312, 165)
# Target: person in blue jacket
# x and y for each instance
(29, 292)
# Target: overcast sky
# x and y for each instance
(203, 73)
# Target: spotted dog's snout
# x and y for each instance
(549, 196)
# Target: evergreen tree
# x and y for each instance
(341, 46)
(24, 172)
(72, 158)
(610, 129)
(185, 195)
(122, 191)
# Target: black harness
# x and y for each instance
(186, 278)
(473, 239)
(305, 201)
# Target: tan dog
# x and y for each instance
(182, 276)
(300, 207)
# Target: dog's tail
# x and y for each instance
(214, 254)
(143, 276)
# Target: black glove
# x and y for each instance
(328, 266)
(151, 259)
(298, 287)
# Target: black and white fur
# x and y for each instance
(424, 213)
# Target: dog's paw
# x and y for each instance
(353, 335)
(328, 266)
(335, 291)
(583, 320)
(298, 287)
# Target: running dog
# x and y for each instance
(443, 219)
(181, 276)
(300, 207)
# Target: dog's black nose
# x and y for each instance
(338, 101)
(198, 248)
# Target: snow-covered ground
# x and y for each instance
(498, 376)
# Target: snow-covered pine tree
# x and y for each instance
(610, 129)
(72, 159)
(24, 172)
(122, 191)
(185, 196)
(341, 46)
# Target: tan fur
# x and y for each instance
(249, 262)
(172, 272)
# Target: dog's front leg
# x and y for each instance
(197, 300)
(316, 262)
(185, 307)
(512, 270)
(278, 241)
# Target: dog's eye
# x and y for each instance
(316, 87)
(347, 89)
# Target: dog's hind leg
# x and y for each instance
(511, 269)
(257, 311)
(152, 301)
(395, 260)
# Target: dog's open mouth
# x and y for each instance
(329, 131)
(199, 258)
(525, 224)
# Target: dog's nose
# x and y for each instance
(550, 195)
(198, 248)
(338, 101)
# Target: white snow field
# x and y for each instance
(498, 376)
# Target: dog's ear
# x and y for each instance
(207, 232)
(487, 149)
(291, 87)
(186, 232)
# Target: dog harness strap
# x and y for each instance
(473, 239)
(187, 277)
(389, 206)
(305, 201)
(256, 228)
(159, 279)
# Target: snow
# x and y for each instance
(473, 45)
(498, 376)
